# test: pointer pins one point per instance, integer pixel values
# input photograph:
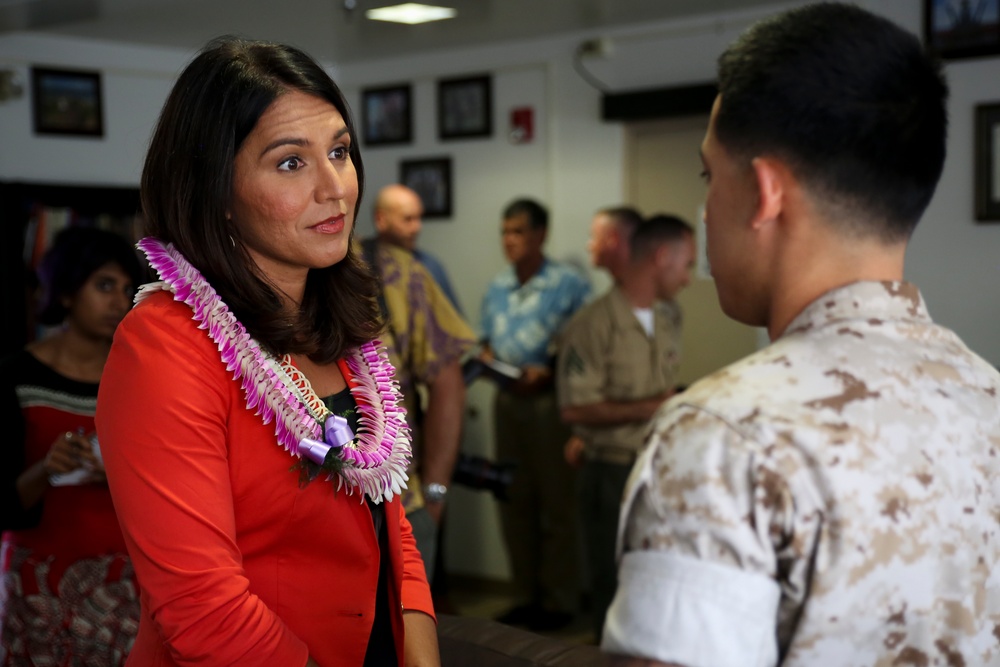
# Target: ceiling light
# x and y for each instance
(411, 13)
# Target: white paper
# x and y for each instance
(80, 475)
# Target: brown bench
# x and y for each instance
(479, 642)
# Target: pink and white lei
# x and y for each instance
(374, 462)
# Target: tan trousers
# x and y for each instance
(539, 518)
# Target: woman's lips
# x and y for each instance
(333, 225)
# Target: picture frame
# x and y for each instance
(431, 179)
(465, 107)
(956, 29)
(387, 115)
(987, 170)
(67, 102)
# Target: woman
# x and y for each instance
(68, 595)
(252, 439)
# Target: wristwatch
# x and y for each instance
(435, 493)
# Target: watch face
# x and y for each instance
(435, 493)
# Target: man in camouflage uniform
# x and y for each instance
(833, 499)
(617, 363)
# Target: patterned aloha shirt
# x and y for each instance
(425, 333)
(520, 321)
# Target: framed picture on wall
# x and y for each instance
(387, 115)
(988, 162)
(67, 102)
(465, 107)
(431, 179)
(962, 28)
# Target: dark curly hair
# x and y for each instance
(73, 257)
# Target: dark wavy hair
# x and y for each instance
(73, 257)
(187, 185)
(850, 100)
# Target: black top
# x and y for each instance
(381, 643)
(38, 383)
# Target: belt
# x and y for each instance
(611, 454)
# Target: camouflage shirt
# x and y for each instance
(832, 500)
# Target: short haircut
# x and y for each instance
(538, 217)
(657, 231)
(187, 185)
(627, 218)
(75, 254)
(850, 101)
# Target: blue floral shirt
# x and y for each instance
(520, 321)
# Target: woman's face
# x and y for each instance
(96, 309)
(294, 190)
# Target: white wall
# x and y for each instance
(574, 165)
(135, 84)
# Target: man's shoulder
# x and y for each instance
(602, 307)
(428, 260)
(831, 379)
(503, 280)
(592, 318)
(398, 267)
(564, 273)
(394, 254)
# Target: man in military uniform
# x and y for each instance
(832, 499)
(617, 364)
(610, 234)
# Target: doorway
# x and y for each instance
(662, 170)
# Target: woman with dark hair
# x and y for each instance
(252, 432)
(68, 595)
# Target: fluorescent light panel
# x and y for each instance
(411, 13)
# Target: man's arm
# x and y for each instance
(612, 413)
(442, 429)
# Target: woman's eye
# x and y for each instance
(105, 285)
(339, 153)
(704, 175)
(290, 164)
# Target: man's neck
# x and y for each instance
(528, 267)
(796, 288)
(638, 289)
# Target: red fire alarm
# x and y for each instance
(522, 125)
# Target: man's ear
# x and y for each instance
(770, 177)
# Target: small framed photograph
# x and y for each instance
(465, 107)
(988, 162)
(387, 115)
(431, 179)
(67, 102)
(962, 28)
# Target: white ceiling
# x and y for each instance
(330, 31)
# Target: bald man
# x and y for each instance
(426, 338)
(398, 220)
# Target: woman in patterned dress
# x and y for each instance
(68, 594)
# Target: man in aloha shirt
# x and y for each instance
(831, 500)
(426, 339)
(524, 308)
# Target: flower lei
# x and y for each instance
(374, 462)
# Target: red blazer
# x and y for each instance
(237, 564)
